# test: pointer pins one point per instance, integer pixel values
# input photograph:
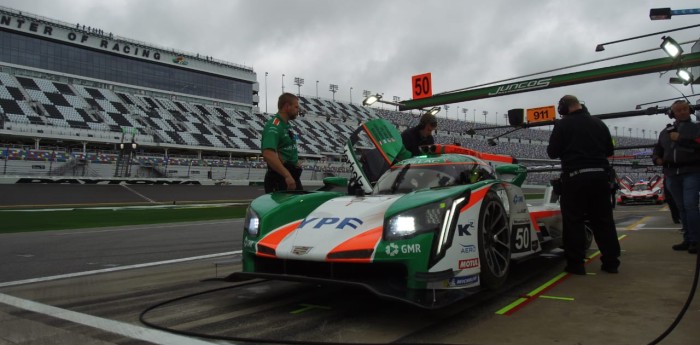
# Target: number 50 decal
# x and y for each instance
(422, 86)
(522, 237)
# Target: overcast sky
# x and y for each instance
(378, 45)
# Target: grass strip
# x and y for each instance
(20, 221)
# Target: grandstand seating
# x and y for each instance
(322, 128)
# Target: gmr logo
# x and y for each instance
(351, 222)
(393, 249)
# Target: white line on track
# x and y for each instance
(112, 326)
(115, 269)
(159, 226)
(137, 193)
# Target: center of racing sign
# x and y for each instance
(541, 114)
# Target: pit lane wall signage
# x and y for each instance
(102, 181)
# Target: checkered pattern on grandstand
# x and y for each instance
(70, 106)
(62, 106)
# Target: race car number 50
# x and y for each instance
(422, 85)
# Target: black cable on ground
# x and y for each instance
(240, 339)
(685, 307)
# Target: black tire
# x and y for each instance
(589, 234)
(494, 242)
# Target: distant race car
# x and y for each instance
(431, 230)
(640, 192)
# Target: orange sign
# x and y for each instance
(422, 85)
(541, 114)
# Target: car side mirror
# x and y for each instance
(335, 181)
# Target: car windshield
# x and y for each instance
(640, 187)
(408, 178)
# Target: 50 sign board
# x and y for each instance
(422, 85)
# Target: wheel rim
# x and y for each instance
(496, 239)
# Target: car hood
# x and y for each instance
(347, 223)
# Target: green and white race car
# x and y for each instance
(431, 230)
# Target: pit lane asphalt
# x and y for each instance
(629, 308)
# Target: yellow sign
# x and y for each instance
(541, 114)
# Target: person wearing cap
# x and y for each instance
(422, 134)
(583, 143)
(678, 151)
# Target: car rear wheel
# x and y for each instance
(494, 242)
(589, 234)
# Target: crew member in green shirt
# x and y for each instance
(279, 147)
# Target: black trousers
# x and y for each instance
(274, 182)
(587, 196)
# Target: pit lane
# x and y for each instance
(640, 301)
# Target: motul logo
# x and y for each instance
(471, 263)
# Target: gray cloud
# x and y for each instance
(379, 45)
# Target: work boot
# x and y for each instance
(682, 246)
(609, 268)
(693, 248)
(575, 269)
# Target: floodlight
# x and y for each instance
(433, 111)
(685, 75)
(671, 47)
(371, 100)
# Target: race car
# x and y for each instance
(431, 230)
(641, 192)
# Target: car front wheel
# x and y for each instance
(494, 242)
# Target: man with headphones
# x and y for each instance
(583, 143)
(420, 135)
(678, 151)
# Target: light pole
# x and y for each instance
(644, 136)
(298, 82)
(316, 89)
(485, 113)
(623, 131)
(396, 99)
(447, 110)
(630, 130)
(465, 111)
(474, 116)
(333, 88)
(265, 92)
(615, 130)
(282, 82)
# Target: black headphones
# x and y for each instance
(563, 107)
(670, 114)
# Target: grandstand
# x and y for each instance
(80, 102)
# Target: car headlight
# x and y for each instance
(421, 219)
(252, 223)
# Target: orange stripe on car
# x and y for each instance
(475, 197)
(274, 238)
(534, 216)
(365, 241)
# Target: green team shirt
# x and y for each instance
(276, 136)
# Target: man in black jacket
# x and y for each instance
(583, 143)
(678, 151)
(420, 135)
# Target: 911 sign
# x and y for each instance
(422, 85)
(541, 114)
